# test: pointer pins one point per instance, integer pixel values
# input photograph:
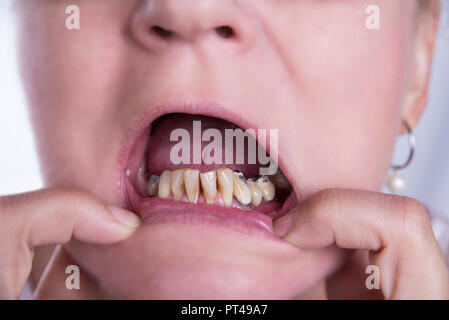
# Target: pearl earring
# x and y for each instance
(396, 182)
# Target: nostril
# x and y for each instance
(162, 32)
(225, 32)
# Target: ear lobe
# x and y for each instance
(416, 98)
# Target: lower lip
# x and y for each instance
(156, 210)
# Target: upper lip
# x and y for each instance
(211, 109)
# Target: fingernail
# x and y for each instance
(125, 217)
(283, 225)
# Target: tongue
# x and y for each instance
(162, 153)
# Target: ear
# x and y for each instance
(428, 13)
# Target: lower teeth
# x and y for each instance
(230, 184)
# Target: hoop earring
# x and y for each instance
(396, 181)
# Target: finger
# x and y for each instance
(395, 229)
(352, 219)
(54, 216)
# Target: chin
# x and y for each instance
(198, 261)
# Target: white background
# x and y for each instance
(427, 177)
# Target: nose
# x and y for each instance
(157, 23)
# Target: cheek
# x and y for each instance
(73, 81)
(350, 82)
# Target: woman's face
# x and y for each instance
(336, 91)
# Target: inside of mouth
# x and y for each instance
(186, 158)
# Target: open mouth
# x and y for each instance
(178, 168)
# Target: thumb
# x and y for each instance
(55, 216)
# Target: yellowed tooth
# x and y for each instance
(192, 184)
(256, 194)
(241, 190)
(164, 185)
(152, 185)
(209, 184)
(225, 180)
(266, 187)
(177, 184)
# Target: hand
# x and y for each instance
(395, 231)
(53, 216)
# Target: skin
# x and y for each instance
(87, 89)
